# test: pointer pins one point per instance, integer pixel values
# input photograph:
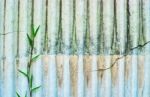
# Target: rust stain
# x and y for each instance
(114, 70)
(140, 75)
(87, 70)
(59, 62)
(73, 76)
(46, 64)
(100, 65)
(141, 71)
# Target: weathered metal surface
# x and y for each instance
(88, 48)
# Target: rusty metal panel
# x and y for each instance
(87, 48)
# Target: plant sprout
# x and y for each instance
(31, 40)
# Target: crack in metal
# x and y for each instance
(139, 46)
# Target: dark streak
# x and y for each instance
(101, 75)
(18, 25)
(32, 13)
(87, 33)
(6, 33)
(139, 46)
(101, 28)
(46, 28)
(128, 27)
(74, 39)
(114, 37)
(59, 38)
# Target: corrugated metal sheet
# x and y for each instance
(88, 48)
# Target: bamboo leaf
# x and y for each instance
(35, 57)
(23, 73)
(18, 94)
(34, 89)
(35, 33)
(29, 40)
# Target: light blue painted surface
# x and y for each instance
(1, 45)
(127, 80)
(146, 14)
(66, 77)
(134, 76)
(81, 80)
(94, 77)
(53, 77)
(9, 67)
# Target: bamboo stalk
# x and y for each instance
(9, 70)
(146, 22)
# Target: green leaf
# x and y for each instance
(29, 40)
(23, 73)
(18, 94)
(34, 89)
(35, 57)
(35, 33)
